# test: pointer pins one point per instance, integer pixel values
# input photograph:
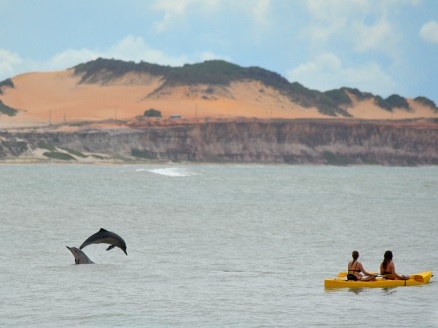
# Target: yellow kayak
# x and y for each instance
(342, 282)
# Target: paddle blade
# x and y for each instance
(417, 277)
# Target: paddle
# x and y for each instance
(344, 274)
(416, 277)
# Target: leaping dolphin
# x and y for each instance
(106, 237)
(80, 256)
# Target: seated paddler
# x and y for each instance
(356, 270)
(387, 268)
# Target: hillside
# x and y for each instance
(221, 73)
(107, 89)
(95, 112)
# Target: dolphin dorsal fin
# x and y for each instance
(102, 230)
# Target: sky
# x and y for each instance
(380, 46)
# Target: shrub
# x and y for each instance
(152, 113)
(358, 94)
(427, 102)
(339, 97)
(7, 110)
(7, 83)
(379, 101)
(47, 146)
(396, 101)
(58, 155)
(393, 101)
(75, 153)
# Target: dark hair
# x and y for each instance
(387, 257)
(355, 255)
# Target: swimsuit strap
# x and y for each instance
(350, 269)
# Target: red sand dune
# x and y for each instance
(57, 97)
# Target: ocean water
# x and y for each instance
(214, 245)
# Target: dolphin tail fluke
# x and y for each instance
(84, 244)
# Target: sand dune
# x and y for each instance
(57, 97)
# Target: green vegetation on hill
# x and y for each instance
(74, 152)
(49, 147)
(7, 110)
(426, 102)
(379, 101)
(59, 155)
(393, 101)
(104, 70)
(216, 72)
(219, 72)
(339, 96)
(65, 154)
(4, 109)
(6, 83)
(358, 94)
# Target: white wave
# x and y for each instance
(172, 172)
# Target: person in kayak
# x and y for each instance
(356, 270)
(387, 268)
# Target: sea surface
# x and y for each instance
(214, 245)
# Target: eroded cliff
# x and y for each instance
(282, 141)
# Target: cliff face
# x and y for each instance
(294, 142)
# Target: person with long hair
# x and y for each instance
(387, 268)
(356, 270)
